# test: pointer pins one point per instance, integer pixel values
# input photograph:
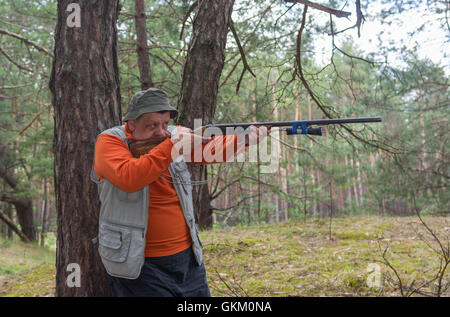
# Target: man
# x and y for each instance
(148, 239)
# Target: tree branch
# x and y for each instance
(322, 107)
(34, 119)
(359, 17)
(188, 13)
(300, 68)
(231, 72)
(26, 41)
(14, 227)
(14, 62)
(241, 51)
(165, 51)
(338, 13)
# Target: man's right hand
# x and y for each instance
(185, 141)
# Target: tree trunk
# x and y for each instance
(315, 181)
(9, 213)
(44, 214)
(24, 211)
(359, 182)
(255, 188)
(340, 206)
(142, 48)
(284, 172)
(278, 176)
(86, 99)
(22, 203)
(200, 83)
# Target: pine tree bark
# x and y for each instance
(142, 48)
(44, 228)
(200, 83)
(86, 99)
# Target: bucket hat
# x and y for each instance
(150, 100)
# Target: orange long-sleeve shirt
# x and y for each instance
(167, 231)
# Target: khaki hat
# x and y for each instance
(150, 100)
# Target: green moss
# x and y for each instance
(39, 281)
(299, 259)
(354, 235)
(286, 259)
(9, 269)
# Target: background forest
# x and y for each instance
(395, 168)
(404, 157)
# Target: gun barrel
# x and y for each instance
(223, 126)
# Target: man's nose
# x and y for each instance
(160, 131)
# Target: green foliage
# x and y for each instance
(398, 166)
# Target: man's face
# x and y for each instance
(149, 125)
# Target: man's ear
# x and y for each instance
(132, 125)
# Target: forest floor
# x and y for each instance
(284, 259)
(26, 269)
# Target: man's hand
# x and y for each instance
(184, 142)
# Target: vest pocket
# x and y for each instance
(114, 242)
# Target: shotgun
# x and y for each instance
(310, 127)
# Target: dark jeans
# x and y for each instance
(176, 275)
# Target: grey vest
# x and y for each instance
(123, 218)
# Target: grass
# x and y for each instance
(26, 269)
(300, 259)
(284, 259)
